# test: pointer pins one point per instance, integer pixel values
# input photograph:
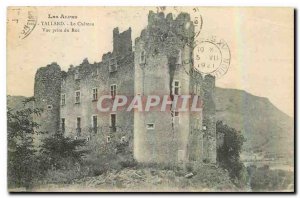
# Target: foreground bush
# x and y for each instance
(22, 161)
(59, 152)
(265, 179)
(230, 143)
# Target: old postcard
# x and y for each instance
(143, 99)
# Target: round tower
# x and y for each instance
(158, 135)
(47, 87)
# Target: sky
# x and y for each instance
(261, 43)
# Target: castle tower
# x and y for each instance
(164, 136)
(209, 119)
(160, 65)
(122, 43)
(47, 96)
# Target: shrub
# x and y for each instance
(228, 153)
(189, 167)
(22, 160)
(60, 152)
(128, 163)
(265, 179)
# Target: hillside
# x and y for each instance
(264, 126)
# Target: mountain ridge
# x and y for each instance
(266, 128)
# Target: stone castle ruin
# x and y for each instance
(155, 66)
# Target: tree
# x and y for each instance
(21, 152)
(27, 165)
(58, 151)
(230, 143)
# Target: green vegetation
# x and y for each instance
(27, 165)
(59, 152)
(22, 161)
(228, 152)
(265, 179)
(155, 177)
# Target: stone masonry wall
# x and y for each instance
(47, 96)
(164, 45)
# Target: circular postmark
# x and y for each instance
(195, 18)
(197, 21)
(211, 56)
(22, 21)
(30, 22)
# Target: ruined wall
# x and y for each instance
(209, 119)
(47, 96)
(98, 75)
(122, 43)
(164, 45)
(196, 147)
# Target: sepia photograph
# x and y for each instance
(150, 99)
